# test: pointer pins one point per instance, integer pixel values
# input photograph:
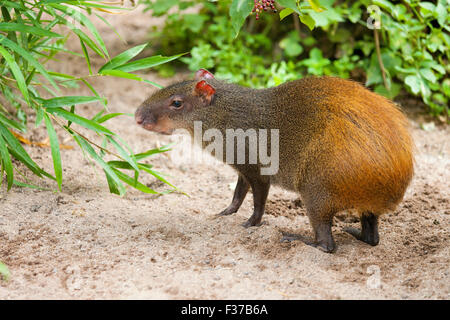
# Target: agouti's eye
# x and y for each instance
(176, 103)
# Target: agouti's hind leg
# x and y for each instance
(240, 192)
(323, 234)
(323, 238)
(369, 229)
(260, 188)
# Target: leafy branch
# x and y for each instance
(27, 42)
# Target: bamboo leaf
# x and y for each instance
(121, 74)
(32, 186)
(11, 123)
(26, 55)
(89, 124)
(19, 152)
(141, 156)
(86, 56)
(132, 182)
(146, 63)
(123, 57)
(20, 27)
(126, 165)
(56, 155)
(67, 101)
(7, 164)
(112, 115)
(88, 41)
(80, 17)
(124, 154)
(15, 70)
(116, 186)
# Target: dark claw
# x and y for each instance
(225, 212)
(250, 223)
(288, 237)
(327, 248)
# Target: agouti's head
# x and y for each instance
(172, 107)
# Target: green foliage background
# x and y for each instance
(28, 39)
(329, 38)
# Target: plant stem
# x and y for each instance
(85, 138)
(380, 61)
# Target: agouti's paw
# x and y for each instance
(326, 247)
(226, 212)
(368, 237)
(329, 247)
(250, 223)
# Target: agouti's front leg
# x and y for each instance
(240, 192)
(260, 188)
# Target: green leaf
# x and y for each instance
(291, 4)
(15, 70)
(285, 12)
(157, 175)
(20, 27)
(88, 41)
(6, 161)
(239, 11)
(392, 93)
(112, 115)
(291, 45)
(146, 63)
(194, 22)
(316, 5)
(26, 55)
(124, 154)
(39, 117)
(124, 57)
(141, 156)
(56, 155)
(26, 185)
(4, 271)
(121, 74)
(11, 123)
(417, 85)
(132, 182)
(126, 165)
(308, 21)
(19, 152)
(89, 124)
(67, 101)
(115, 186)
(428, 6)
(86, 56)
(79, 16)
(428, 74)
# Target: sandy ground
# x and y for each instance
(85, 243)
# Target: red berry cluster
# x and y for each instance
(263, 5)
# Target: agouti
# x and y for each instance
(341, 146)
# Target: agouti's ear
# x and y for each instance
(205, 91)
(203, 74)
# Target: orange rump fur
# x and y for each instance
(365, 148)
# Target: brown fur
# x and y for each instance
(342, 146)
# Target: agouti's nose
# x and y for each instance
(139, 118)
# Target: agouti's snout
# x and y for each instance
(148, 120)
